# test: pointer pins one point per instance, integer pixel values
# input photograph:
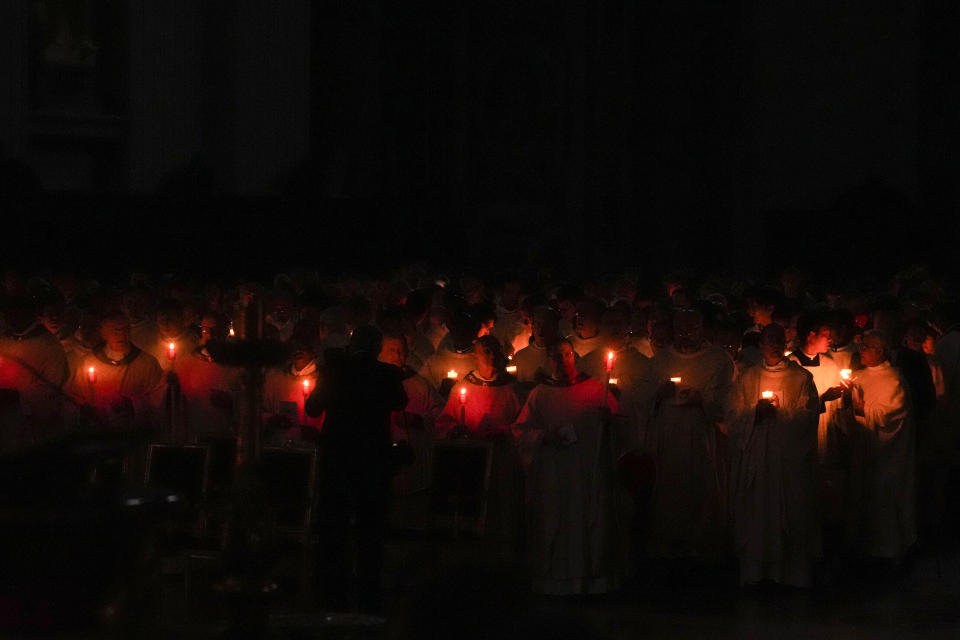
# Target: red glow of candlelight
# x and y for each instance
(610, 358)
(306, 388)
(171, 351)
(463, 395)
(92, 374)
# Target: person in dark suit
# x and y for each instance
(356, 394)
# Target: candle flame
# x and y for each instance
(306, 384)
(610, 357)
(767, 395)
(845, 373)
(675, 380)
(91, 370)
(512, 368)
(232, 333)
(171, 346)
(452, 374)
(786, 354)
(613, 381)
(463, 395)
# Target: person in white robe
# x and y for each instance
(533, 361)
(119, 381)
(454, 359)
(586, 334)
(814, 342)
(880, 424)
(772, 422)
(576, 540)
(692, 382)
(843, 348)
(211, 392)
(285, 391)
(628, 372)
(33, 364)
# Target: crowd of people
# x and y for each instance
(632, 420)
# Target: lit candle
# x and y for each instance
(306, 388)
(845, 373)
(613, 381)
(675, 380)
(231, 333)
(610, 359)
(511, 369)
(786, 354)
(452, 374)
(766, 395)
(171, 351)
(463, 395)
(92, 374)
(463, 406)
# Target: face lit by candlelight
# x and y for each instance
(483, 356)
(818, 342)
(115, 331)
(564, 361)
(394, 351)
(302, 356)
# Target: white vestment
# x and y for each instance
(575, 537)
(773, 475)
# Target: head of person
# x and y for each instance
(773, 340)
(761, 307)
(365, 341)
(813, 333)
(213, 326)
(418, 304)
(170, 318)
(843, 328)
(137, 303)
(393, 350)
(915, 335)
(615, 326)
(473, 289)
(485, 316)
(568, 296)
(563, 360)
(88, 331)
(875, 348)
(53, 315)
(302, 353)
(660, 330)
(688, 330)
(115, 332)
(488, 354)
(589, 312)
(545, 326)
(510, 292)
(463, 330)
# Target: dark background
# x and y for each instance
(221, 136)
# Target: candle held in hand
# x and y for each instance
(613, 382)
(171, 351)
(463, 395)
(512, 369)
(92, 374)
(452, 374)
(676, 380)
(610, 359)
(306, 388)
(766, 395)
(846, 373)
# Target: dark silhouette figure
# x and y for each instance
(357, 393)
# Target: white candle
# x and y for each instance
(676, 380)
(452, 374)
(766, 395)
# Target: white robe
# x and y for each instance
(825, 376)
(531, 362)
(583, 346)
(773, 475)
(687, 505)
(632, 372)
(883, 448)
(442, 362)
(575, 537)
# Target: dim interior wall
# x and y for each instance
(272, 99)
(165, 49)
(13, 76)
(833, 101)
